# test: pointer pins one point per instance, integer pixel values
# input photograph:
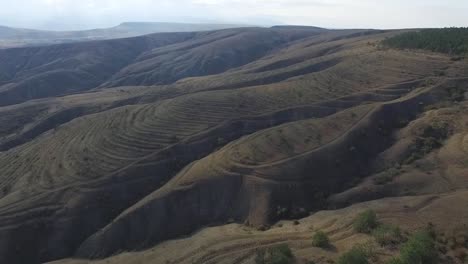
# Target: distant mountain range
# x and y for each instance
(20, 37)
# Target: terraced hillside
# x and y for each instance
(175, 132)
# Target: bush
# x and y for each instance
(394, 261)
(357, 255)
(365, 222)
(386, 176)
(283, 250)
(420, 248)
(280, 254)
(320, 239)
(429, 139)
(387, 235)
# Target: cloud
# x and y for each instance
(73, 14)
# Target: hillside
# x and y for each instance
(210, 147)
(31, 73)
(20, 37)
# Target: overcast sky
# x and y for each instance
(80, 14)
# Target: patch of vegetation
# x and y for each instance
(387, 235)
(387, 176)
(453, 41)
(456, 94)
(359, 254)
(365, 222)
(422, 147)
(394, 261)
(420, 248)
(280, 254)
(320, 239)
(430, 139)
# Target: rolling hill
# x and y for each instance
(18, 37)
(207, 147)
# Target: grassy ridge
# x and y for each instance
(453, 41)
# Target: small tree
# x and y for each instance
(356, 255)
(280, 254)
(387, 235)
(320, 239)
(420, 248)
(394, 261)
(365, 222)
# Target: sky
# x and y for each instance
(384, 14)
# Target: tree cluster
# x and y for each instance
(453, 41)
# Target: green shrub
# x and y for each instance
(283, 249)
(320, 239)
(386, 176)
(420, 248)
(387, 235)
(429, 139)
(356, 255)
(280, 254)
(365, 222)
(394, 261)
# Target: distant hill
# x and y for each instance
(20, 37)
(162, 58)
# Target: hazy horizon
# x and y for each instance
(88, 14)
